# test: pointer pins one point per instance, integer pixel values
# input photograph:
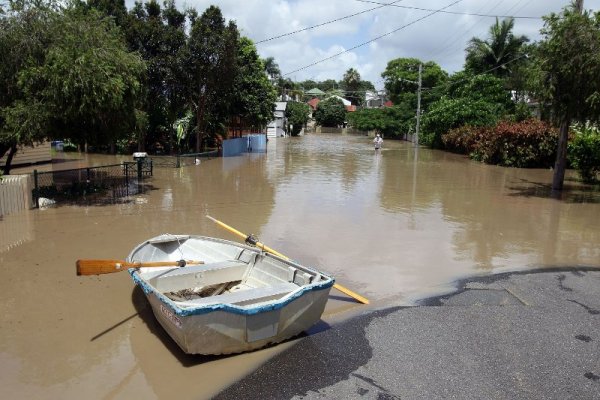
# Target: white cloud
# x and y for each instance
(441, 37)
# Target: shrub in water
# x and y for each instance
(584, 151)
(528, 144)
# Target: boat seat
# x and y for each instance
(244, 297)
(199, 275)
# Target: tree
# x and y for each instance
(24, 37)
(272, 69)
(89, 83)
(297, 115)
(330, 112)
(84, 85)
(479, 100)
(389, 121)
(568, 74)
(401, 78)
(496, 54)
(253, 96)
(158, 35)
(352, 85)
(209, 60)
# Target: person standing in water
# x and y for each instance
(378, 141)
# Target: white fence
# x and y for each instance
(15, 193)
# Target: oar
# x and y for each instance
(97, 267)
(270, 250)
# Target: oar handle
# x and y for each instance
(97, 267)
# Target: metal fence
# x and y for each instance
(182, 160)
(102, 183)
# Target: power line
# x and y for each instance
(481, 73)
(452, 12)
(328, 22)
(372, 40)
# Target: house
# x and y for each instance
(315, 92)
(276, 128)
(345, 101)
(373, 100)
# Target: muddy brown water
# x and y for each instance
(394, 226)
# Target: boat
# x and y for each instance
(239, 299)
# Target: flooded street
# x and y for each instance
(394, 226)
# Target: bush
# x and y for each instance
(447, 114)
(462, 140)
(584, 152)
(527, 144)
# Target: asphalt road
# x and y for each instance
(510, 336)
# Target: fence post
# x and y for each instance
(139, 168)
(126, 169)
(178, 162)
(36, 195)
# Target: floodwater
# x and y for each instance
(393, 226)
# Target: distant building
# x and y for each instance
(313, 103)
(276, 128)
(374, 99)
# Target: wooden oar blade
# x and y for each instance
(97, 267)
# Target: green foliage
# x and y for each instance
(567, 74)
(447, 114)
(210, 68)
(25, 34)
(498, 53)
(401, 78)
(330, 112)
(297, 115)
(389, 121)
(584, 151)
(89, 83)
(158, 35)
(253, 97)
(352, 84)
(484, 87)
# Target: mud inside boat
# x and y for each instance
(238, 282)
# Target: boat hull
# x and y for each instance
(261, 314)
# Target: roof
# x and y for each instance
(346, 102)
(315, 91)
(388, 103)
(313, 103)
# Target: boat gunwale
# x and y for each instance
(228, 307)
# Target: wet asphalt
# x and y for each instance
(533, 335)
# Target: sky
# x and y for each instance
(373, 33)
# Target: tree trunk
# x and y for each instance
(200, 122)
(9, 158)
(561, 154)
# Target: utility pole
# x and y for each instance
(416, 139)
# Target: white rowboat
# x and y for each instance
(239, 300)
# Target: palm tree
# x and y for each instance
(271, 68)
(496, 54)
(352, 83)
